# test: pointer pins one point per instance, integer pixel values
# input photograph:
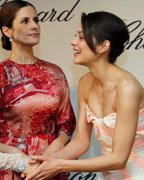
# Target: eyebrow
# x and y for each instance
(28, 17)
(23, 18)
(80, 32)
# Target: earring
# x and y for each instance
(10, 39)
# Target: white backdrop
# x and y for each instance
(59, 22)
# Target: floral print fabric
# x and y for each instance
(34, 107)
(104, 130)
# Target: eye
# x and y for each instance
(25, 21)
(36, 19)
(81, 37)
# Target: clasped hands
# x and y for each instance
(41, 168)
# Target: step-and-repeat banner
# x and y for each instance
(59, 20)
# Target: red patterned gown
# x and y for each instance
(34, 107)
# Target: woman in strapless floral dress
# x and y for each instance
(110, 99)
(36, 116)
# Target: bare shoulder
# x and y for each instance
(130, 84)
(85, 84)
(130, 88)
(85, 81)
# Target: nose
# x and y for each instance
(34, 25)
(74, 41)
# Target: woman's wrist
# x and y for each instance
(62, 165)
(12, 162)
(53, 148)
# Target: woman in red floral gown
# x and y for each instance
(36, 115)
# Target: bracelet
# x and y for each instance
(12, 162)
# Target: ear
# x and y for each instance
(7, 31)
(105, 46)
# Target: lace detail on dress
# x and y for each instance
(10, 161)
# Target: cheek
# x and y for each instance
(89, 56)
(88, 52)
(20, 33)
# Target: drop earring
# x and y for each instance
(10, 40)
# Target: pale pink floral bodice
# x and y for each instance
(104, 130)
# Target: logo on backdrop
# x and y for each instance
(137, 42)
(53, 15)
(135, 27)
(2, 2)
(81, 176)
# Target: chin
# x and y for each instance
(76, 61)
(33, 44)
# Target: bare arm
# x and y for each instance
(80, 144)
(77, 146)
(66, 122)
(9, 149)
(128, 103)
(57, 144)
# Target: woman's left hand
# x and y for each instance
(48, 168)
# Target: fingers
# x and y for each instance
(23, 175)
(43, 172)
(33, 161)
(40, 176)
(36, 159)
(36, 175)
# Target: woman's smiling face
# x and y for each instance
(26, 28)
(82, 53)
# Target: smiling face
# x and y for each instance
(25, 29)
(82, 53)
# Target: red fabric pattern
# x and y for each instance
(34, 107)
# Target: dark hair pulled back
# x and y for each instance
(7, 16)
(100, 26)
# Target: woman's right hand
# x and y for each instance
(29, 167)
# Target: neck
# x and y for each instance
(23, 55)
(103, 72)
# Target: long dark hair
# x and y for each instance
(100, 26)
(7, 16)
